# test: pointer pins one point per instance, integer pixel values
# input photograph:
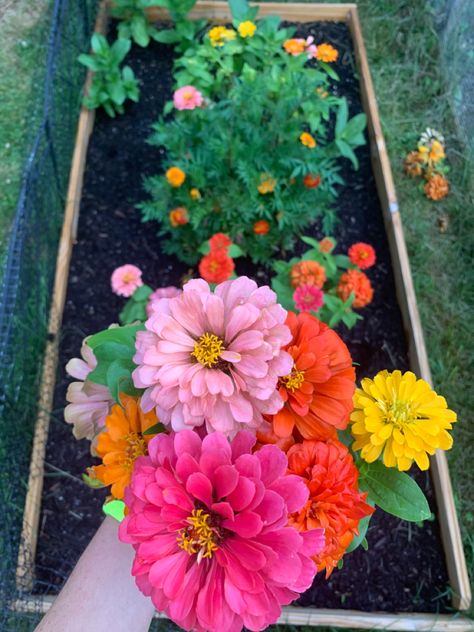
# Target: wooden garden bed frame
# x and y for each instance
(450, 532)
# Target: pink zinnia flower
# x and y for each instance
(126, 279)
(187, 98)
(310, 47)
(214, 358)
(209, 523)
(161, 292)
(308, 298)
(89, 403)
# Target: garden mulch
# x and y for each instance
(404, 568)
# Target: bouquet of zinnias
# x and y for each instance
(221, 425)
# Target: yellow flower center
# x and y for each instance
(136, 447)
(207, 350)
(294, 380)
(400, 413)
(200, 536)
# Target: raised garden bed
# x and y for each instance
(404, 569)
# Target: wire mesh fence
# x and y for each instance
(29, 272)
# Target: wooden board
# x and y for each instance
(452, 542)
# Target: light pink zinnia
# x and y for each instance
(161, 292)
(126, 279)
(214, 358)
(89, 403)
(209, 523)
(308, 298)
(310, 47)
(187, 98)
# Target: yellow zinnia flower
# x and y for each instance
(307, 140)
(401, 416)
(175, 176)
(219, 35)
(247, 29)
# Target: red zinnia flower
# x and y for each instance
(362, 255)
(216, 267)
(318, 392)
(357, 282)
(312, 181)
(261, 227)
(219, 241)
(334, 503)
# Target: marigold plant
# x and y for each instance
(428, 162)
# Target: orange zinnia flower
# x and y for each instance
(335, 503)
(362, 255)
(216, 267)
(219, 241)
(295, 46)
(326, 245)
(122, 442)
(312, 181)
(178, 216)
(307, 273)
(357, 282)
(326, 52)
(317, 394)
(262, 227)
(437, 187)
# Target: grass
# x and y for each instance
(23, 32)
(404, 56)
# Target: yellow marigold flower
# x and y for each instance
(195, 194)
(432, 153)
(247, 29)
(401, 416)
(267, 184)
(219, 35)
(326, 52)
(307, 140)
(175, 176)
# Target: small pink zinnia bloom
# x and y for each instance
(308, 298)
(161, 292)
(310, 47)
(89, 403)
(126, 279)
(214, 358)
(209, 523)
(187, 98)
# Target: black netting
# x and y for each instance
(29, 272)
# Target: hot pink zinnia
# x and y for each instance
(126, 279)
(89, 403)
(187, 98)
(214, 358)
(209, 523)
(161, 292)
(308, 298)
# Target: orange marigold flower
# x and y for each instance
(121, 442)
(175, 176)
(326, 52)
(178, 216)
(295, 46)
(335, 503)
(362, 255)
(307, 273)
(357, 282)
(317, 394)
(326, 245)
(219, 241)
(262, 227)
(267, 184)
(195, 194)
(307, 140)
(413, 166)
(312, 181)
(437, 187)
(216, 267)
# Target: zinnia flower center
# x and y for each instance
(294, 380)
(400, 413)
(136, 447)
(208, 349)
(200, 536)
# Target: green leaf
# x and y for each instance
(155, 429)
(142, 293)
(239, 9)
(98, 43)
(167, 36)
(120, 49)
(92, 482)
(89, 62)
(394, 492)
(235, 251)
(359, 539)
(139, 30)
(354, 127)
(310, 241)
(115, 509)
(341, 118)
(347, 152)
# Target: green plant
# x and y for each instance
(324, 271)
(135, 25)
(111, 85)
(260, 175)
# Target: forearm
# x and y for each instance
(101, 594)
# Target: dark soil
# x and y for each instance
(404, 569)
